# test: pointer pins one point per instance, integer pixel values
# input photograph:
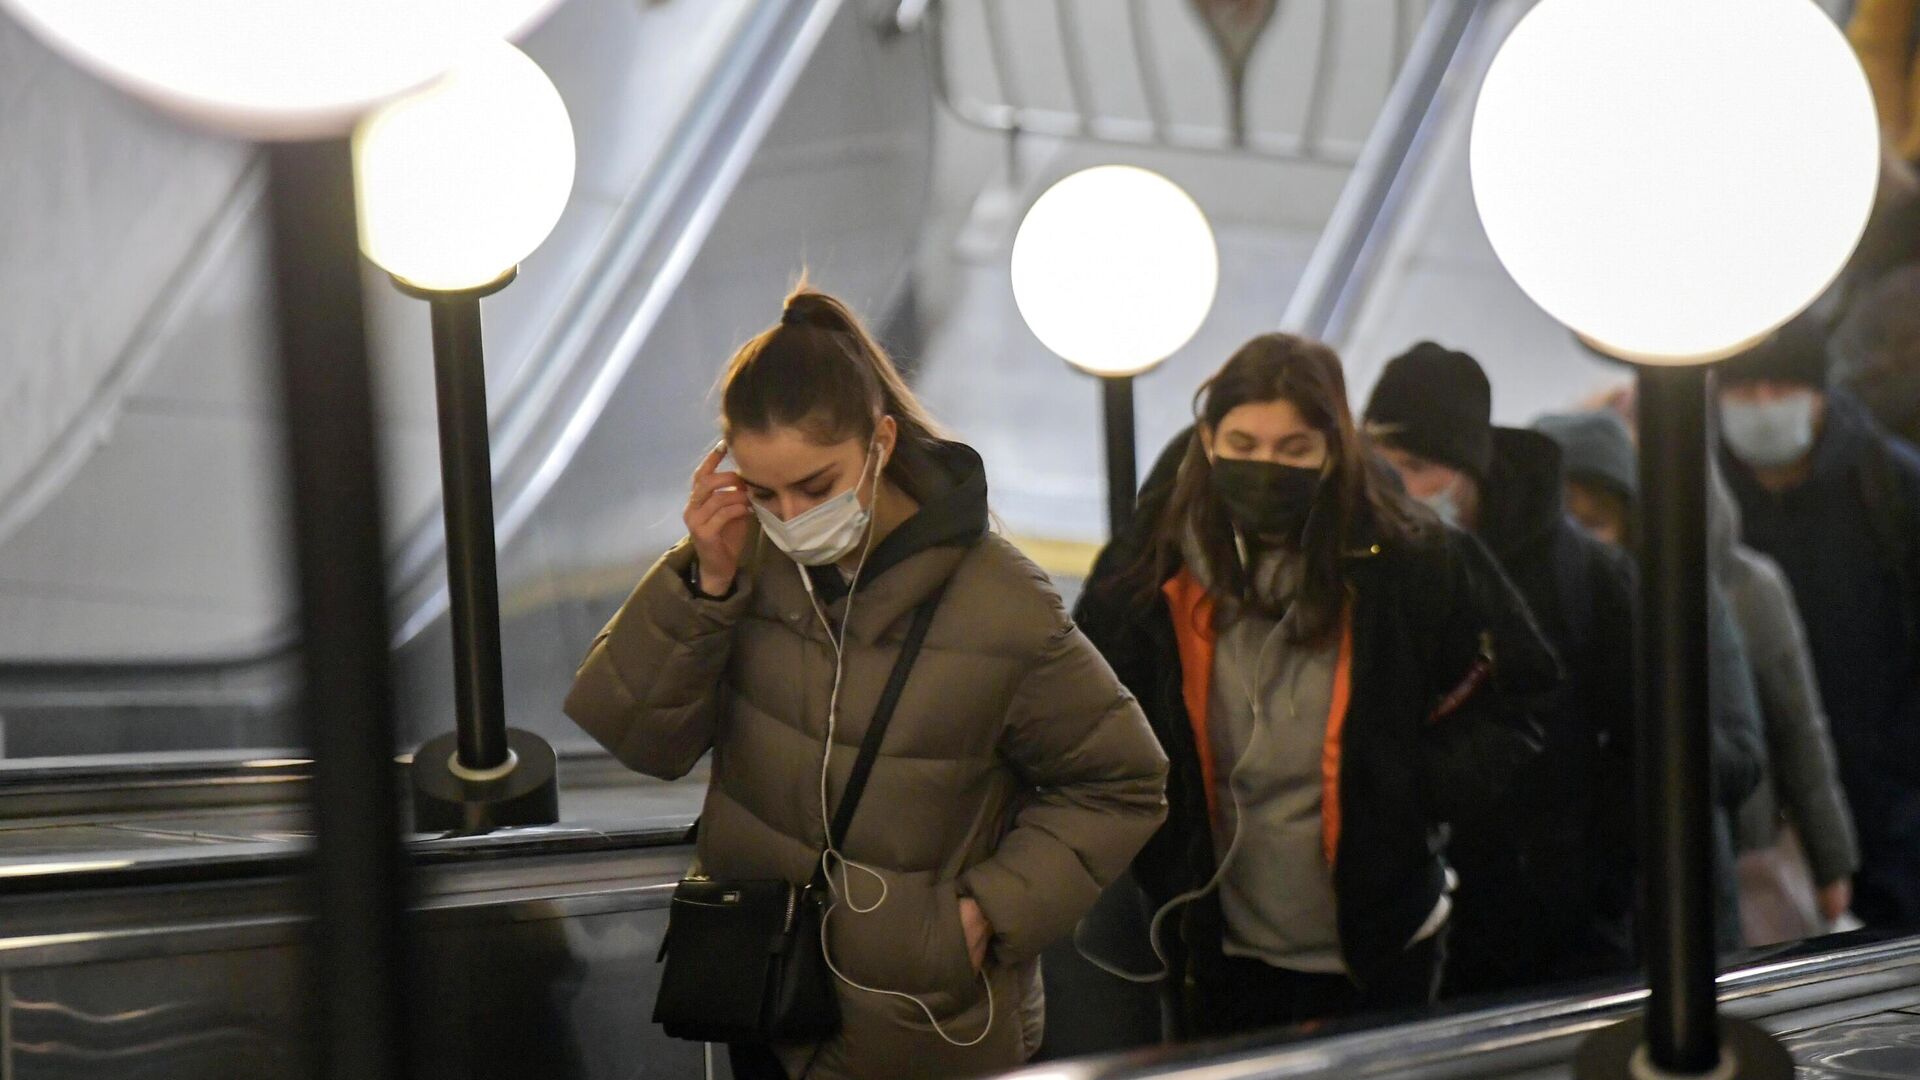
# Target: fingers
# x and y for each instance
(720, 508)
(711, 462)
(705, 485)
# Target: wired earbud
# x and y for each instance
(830, 854)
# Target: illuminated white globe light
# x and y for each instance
(460, 181)
(1674, 179)
(271, 69)
(1114, 269)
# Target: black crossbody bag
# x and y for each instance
(743, 957)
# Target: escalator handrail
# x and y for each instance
(1418, 1046)
(74, 445)
(1336, 272)
(271, 857)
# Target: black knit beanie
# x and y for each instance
(1435, 402)
(1796, 353)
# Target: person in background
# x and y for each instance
(1599, 459)
(1601, 474)
(1884, 34)
(1546, 878)
(1334, 675)
(1876, 352)
(1803, 782)
(1835, 501)
(1017, 776)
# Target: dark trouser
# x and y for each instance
(1237, 995)
(1487, 961)
(754, 1061)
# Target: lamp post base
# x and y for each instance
(450, 798)
(1620, 1053)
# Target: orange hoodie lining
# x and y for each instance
(1336, 730)
(1192, 608)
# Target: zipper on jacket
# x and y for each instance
(793, 907)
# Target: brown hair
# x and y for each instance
(1353, 504)
(819, 370)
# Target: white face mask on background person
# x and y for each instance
(1771, 434)
(1445, 503)
(829, 532)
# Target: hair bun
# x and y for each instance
(809, 308)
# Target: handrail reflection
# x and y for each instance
(1512, 1029)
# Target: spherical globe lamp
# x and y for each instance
(460, 181)
(271, 69)
(1114, 268)
(1674, 179)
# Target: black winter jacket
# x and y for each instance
(1546, 889)
(1849, 541)
(1424, 613)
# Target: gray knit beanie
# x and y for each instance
(1597, 449)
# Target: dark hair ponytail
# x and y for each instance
(821, 371)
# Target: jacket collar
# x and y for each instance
(903, 569)
(1522, 506)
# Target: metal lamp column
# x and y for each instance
(1680, 1033)
(359, 898)
(1123, 470)
(483, 774)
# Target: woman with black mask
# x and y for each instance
(1333, 673)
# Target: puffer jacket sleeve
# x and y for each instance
(650, 689)
(1099, 792)
(1804, 767)
(1474, 751)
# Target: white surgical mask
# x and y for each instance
(1772, 434)
(1445, 503)
(827, 533)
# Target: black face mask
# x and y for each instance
(1263, 498)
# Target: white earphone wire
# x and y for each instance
(1249, 685)
(830, 853)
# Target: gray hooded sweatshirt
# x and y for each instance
(1804, 781)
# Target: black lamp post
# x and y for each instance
(1680, 1033)
(458, 183)
(1123, 469)
(483, 774)
(357, 956)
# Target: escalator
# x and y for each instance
(152, 818)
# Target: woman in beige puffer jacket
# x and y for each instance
(1017, 778)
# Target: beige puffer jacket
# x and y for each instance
(1016, 770)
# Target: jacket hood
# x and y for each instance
(1844, 435)
(955, 515)
(1522, 504)
(1723, 518)
(1596, 448)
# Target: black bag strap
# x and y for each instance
(882, 716)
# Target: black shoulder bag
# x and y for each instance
(743, 957)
